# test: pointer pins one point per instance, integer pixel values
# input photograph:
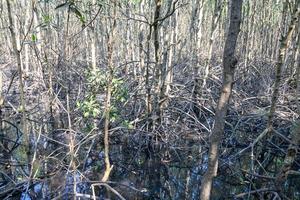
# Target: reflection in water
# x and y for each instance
(133, 177)
(136, 173)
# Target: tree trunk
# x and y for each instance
(107, 108)
(295, 132)
(285, 42)
(197, 89)
(21, 84)
(93, 43)
(229, 63)
(214, 25)
(158, 68)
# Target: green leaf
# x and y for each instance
(47, 19)
(96, 112)
(86, 114)
(76, 11)
(33, 38)
(113, 118)
(127, 124)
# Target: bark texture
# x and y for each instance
(229, 63)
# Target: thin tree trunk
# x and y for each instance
(107, 105)
(229, 64)
(285, 42)
(93, 43)
(21, 84)
(141, 69)
(295, 135)
(38, 44)
(169, 69)
(4, 143)
(158, 70)
(246, 36)
(197, 89)
(93, 49)
(26, 47)
(166, 66)
(148, 86)
(214, 25)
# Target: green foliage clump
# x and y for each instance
(90, 106)
(93, 103)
